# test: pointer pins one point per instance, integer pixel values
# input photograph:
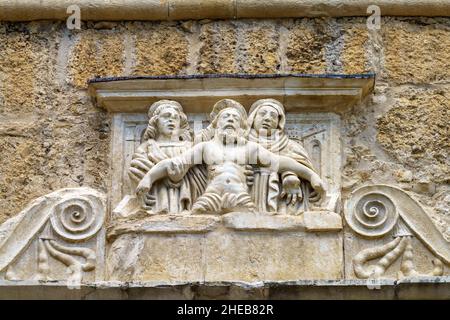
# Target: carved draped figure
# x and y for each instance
(267, 184)
(170, 196)
(168, 135)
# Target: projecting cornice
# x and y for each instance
(27, 10)
(197, 93)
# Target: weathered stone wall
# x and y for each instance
(52, 136)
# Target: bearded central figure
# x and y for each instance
(226, 157)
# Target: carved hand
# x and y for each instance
(144, 186)
(249, 174)
(318, 184)
(142, 189)
(314, 196)
(138, 168)
(291, 190)
(149, 201)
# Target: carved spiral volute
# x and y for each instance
(370, 214)
(78, 218)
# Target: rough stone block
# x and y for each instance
(96, 53)
(416, 53)
(160, 49)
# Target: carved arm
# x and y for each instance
(173, 168)
(282, 164)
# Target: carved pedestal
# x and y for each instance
(237, 247)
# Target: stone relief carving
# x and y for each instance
(268, 178)
(378, 211)
(167, 135)
(264, 197)
(226, 156)
(231, 151)
(267, 120)
(65, 225)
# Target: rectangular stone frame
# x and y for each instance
(323, 131)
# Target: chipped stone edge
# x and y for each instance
(28, 10)
(243, 284)
(413, 288)
(164, 224)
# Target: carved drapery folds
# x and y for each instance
(167, 135)
(271, 191)
(234, 163)
(226, 195)
(234, 167)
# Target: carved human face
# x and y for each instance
(266, 120)
(168, 122)
(229, 121)
(228, 125)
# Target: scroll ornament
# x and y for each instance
(62, 223)
(378, 210)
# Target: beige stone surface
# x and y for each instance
(160, 49)
(160, 258)
(312, 8)
(306, 46)
(287, 256)
(52, 135)
(96, 54)
(217, 50)
(425, 288)
(27, 152)
(301, 94)
(41, 156)
(308, 221)
(415, 132)
(143, 223)
(354, 53)
(198, 9)
(258, 47)
(258, 221)
(416, 54)
(322, 221)
(222, 256)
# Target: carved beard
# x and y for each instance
(228, 136)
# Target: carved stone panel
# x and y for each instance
(318, 132)
(228, 180)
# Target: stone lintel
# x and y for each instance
(312, 221)
(322, 221)
(251, 221)
(27, 10)
(164, 224)
(414, 288)
(198, 93)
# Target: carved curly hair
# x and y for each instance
(184, 132)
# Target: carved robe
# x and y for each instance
(267, 184)
(170, 196)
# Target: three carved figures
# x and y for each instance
(237, 163)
